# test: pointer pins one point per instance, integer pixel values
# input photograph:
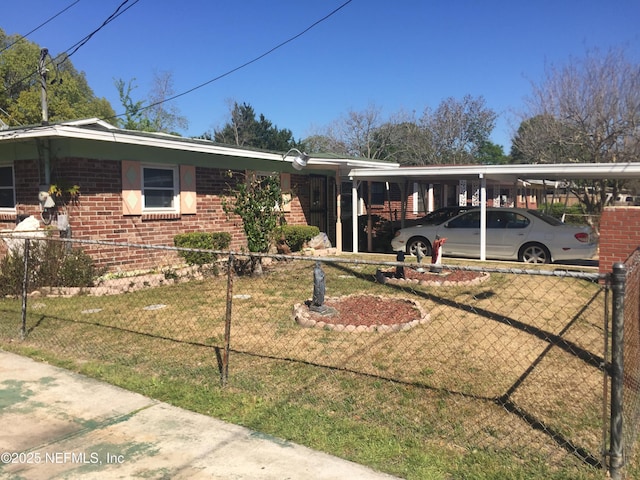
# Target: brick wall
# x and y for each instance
(98, 214)
(619, 235)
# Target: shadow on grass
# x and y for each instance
(505, 401)
(552, 340)
(218, 349)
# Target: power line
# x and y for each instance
(246, 64)
(109, 19)
(76, 46)
(2, 110)
(38, 27)
(117, 13)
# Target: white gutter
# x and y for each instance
(535, 171)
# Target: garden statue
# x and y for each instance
(419, 258)
(319, 287)
(400, 270)
(436, 254)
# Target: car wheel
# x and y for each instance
(419, 246)
(534, 253)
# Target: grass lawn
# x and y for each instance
(502, 382)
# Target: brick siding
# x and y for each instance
(619, 235)
(98, 214)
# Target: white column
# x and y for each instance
(338, 212)
(483, 217)
(430, 201)
(354, 215)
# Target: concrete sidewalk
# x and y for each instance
(57, 424)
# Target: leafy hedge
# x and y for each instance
(296, 235)
(573, 213)
(201, 241)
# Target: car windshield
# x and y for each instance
(438, 216)
(468, 220)
(442, 215)
(545, 218)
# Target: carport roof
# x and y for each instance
(502, 173)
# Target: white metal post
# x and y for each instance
(354, 215)
(483, 217)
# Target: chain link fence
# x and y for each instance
(631, 351)
(470, 360)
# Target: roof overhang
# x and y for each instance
(500, 173)
(93, 138)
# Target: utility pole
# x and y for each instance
(42, 70)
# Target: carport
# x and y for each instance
(483, 174)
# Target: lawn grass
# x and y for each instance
(454, 398)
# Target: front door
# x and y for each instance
(318, 197)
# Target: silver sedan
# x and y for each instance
(511, 234)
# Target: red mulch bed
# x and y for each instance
(369, 310)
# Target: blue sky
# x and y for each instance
(399, 55)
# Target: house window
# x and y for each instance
(160, 190)
(7, 189)
(377, 193)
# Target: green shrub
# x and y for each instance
(256, 201)
(573, 214)
(11, 274)
(201, 241)
(296, 235)
(221, 240)
(77, 269)
(50, 264)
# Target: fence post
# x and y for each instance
(616, 371)
(25, 290)
(227, 323)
